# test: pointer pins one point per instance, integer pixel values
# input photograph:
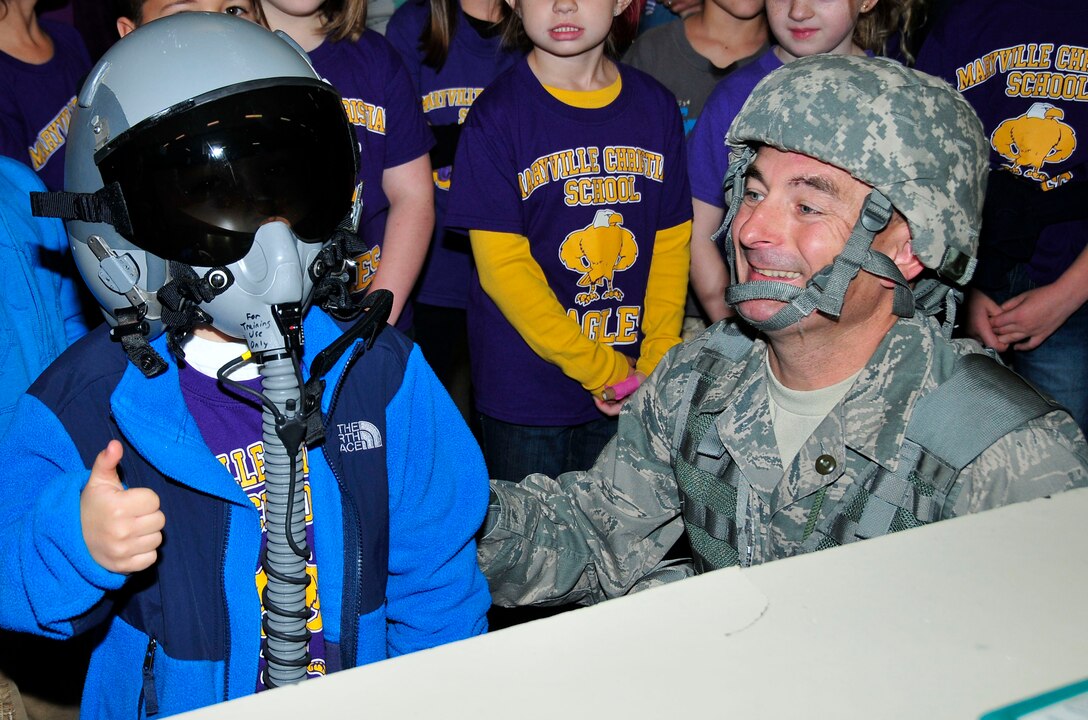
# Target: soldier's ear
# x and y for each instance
(908, 263)
(895, 242)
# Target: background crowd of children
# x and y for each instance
(547, 238)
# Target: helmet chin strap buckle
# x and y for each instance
(181, 297)
(131, 331)
(876, 213)
(288, 317)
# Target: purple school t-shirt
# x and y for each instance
(565, 177)
(231, 427)
(36, 103)
(708, 156)
(1023, 66)
(382, 105)
(445, 95)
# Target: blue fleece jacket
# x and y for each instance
(39, 311)
(396, 510)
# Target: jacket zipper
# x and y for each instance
(226, 613)
(148, 696)
(350, 600)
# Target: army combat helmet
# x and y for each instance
(909, 136)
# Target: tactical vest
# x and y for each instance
(982, 399)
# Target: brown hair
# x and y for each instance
(438, 33)
(887, 18)
(344, 19)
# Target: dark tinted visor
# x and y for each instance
(199, 179)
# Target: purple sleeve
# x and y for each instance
(484, 191)
(708, 157)
(403, 34)
(409, 135)
(676, 199)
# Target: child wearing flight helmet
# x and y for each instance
(229, 533)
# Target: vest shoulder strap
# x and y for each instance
(981, 402)
(727, 344)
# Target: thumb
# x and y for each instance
(104, 470)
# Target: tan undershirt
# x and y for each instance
(797, 413)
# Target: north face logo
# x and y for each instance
(359, 435)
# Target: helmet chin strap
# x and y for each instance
(826, 290)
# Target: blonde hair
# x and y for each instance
(887, 18)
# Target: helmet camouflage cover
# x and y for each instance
(907, 134)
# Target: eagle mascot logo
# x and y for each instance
(599, 251)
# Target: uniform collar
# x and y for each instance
(871, 420)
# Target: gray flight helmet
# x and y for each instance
(158, 136)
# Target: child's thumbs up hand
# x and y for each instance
(122, 528)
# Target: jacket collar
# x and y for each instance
(152, 414)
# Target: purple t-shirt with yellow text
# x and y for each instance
(382, 105)
(586, 187)
(37, 101)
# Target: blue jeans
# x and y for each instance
(514, 451)
(1059, 366)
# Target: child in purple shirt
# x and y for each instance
(394, 140)
(43, 63)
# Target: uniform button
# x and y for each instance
(825, 464)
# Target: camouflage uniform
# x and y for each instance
(589, 536)
(585, 537)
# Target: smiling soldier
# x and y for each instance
(822, 418)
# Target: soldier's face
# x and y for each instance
(795, 217)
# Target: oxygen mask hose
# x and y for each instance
(286, 643)
(286, 638)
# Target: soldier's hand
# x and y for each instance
(122, 527)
